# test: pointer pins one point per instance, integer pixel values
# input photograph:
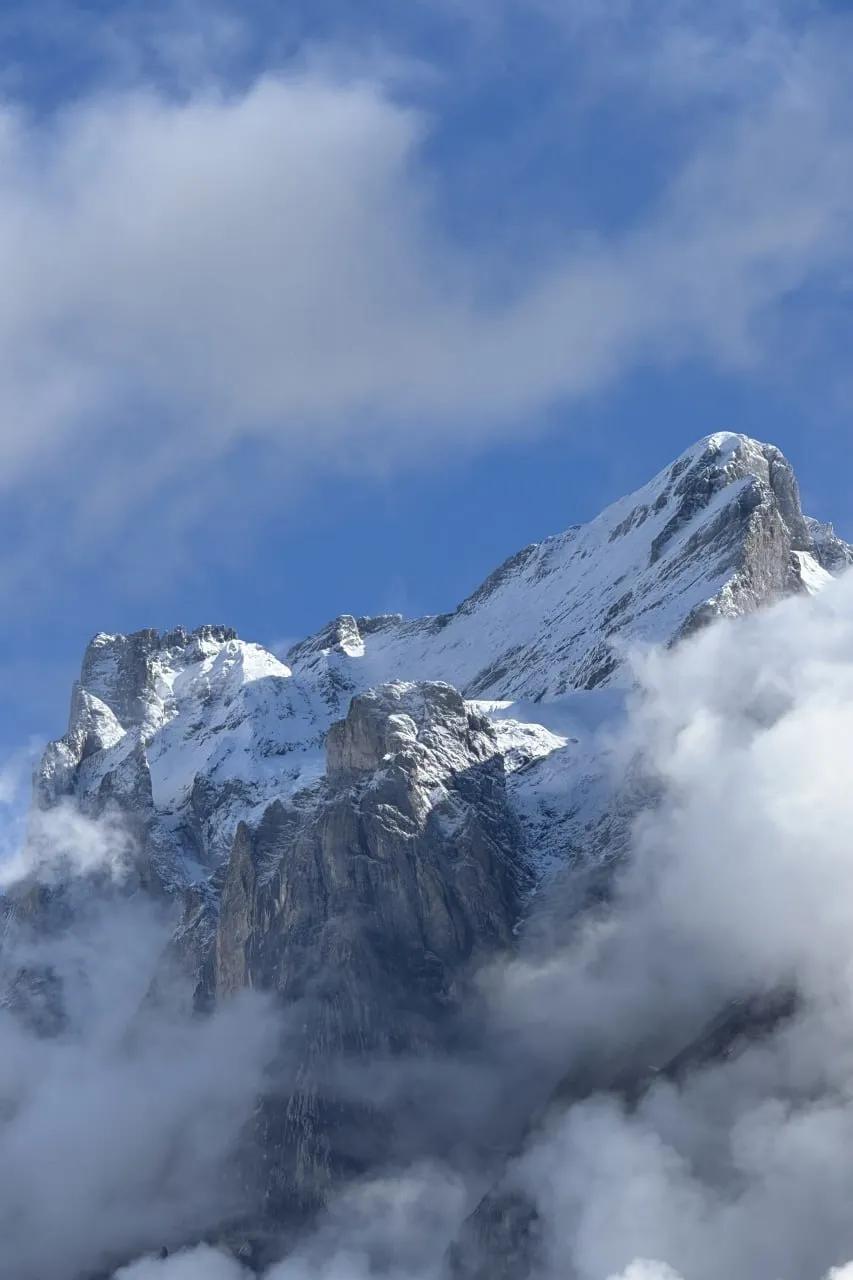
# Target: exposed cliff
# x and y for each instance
(363, 904)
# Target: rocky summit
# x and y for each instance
(357, 827)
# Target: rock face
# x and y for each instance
(349, 833)
(408, 839)
(364, 904)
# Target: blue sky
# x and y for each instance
(329, 307)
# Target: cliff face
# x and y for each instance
(409, 839)
(364, 904)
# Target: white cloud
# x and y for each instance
(267, 264)
(122, 1114)
(740, 884)
(642, 1269)
(202, 1263)
(60, 841)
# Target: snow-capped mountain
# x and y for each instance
(720, 531)
(354, 827)
(192, 733)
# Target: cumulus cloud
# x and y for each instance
(645, 1270)
(62, 841)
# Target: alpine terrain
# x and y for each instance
(359, 828)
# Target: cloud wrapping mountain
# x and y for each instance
(740, 882)
(678, 1045)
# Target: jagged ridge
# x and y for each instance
(194, 732)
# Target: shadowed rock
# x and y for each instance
(363, 905)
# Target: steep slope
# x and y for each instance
(719, 532)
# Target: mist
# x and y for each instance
(739, 887)
(121, 1113)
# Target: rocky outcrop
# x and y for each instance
(183, 735)
(831, 552)
(362, 905)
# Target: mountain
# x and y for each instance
(191, 733)
(355, 828)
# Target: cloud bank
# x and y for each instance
(740, 885)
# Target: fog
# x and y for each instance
(120, 1114)
(740, 883)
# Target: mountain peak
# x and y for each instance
(740, 455)
(719, 531)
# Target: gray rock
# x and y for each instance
(363, 905)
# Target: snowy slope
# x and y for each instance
(213, 730)
(563, 774)
(715, 532)
(190, 733)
